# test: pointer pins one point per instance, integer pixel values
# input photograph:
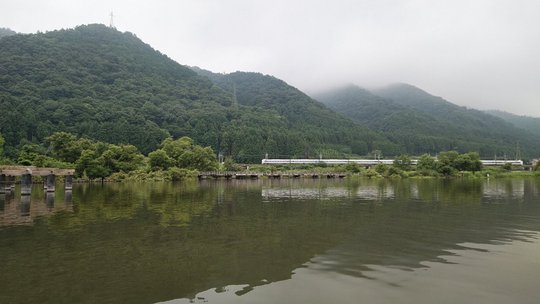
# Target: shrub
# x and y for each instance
(426, 162)
(446, 170)
(353, 167)
(394, 171)
(381, 168)
(507, 166)
(181, 173)
(370, 173)
(230, 165)
(403, 162)
(160, 160)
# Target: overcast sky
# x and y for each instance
(483, 54)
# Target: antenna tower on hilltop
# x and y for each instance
(111, 22)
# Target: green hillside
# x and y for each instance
(423, 123)
(415, 131)
(311, 119)
(97, 82)
(531, 124)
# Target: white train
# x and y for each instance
(367, 162)
(491, 162)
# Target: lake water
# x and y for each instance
(274, 241)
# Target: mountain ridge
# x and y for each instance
(5, 32)
(97, 82)
(423, 122)
(528, 123)
(301, 111)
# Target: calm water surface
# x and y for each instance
(271, 241)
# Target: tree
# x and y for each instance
(381, 168)
(507, 166)
(2, 141)
(89, 164)
(447, 158)
(476, 163)
(468, 162)
(426, 162)
(85, 161)
(175, 148)
(64, 147)
(199, 158)
(160, 160)
(394, 171)
(445, 170)
(123, 158)
(403, 162)
(353, 167)
(451, 161)
(97, 170)
(67, 147)
(186, 154)
(29, 152)
(229, 165)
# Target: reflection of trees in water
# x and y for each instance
(24, 210)
(508, 189)
(155, 242)
(441, 190)
(423, 230)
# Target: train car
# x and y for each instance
(368, 162)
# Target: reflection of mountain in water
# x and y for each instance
(155, 242)
(305, 193)
(505, 189)
(487, 190)
(364, 193)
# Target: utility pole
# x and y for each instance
(235, 100)
(234, 104)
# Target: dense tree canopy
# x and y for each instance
(96, 82)
(6, 32)
(531, 124)
(72, 89)
(96, 159)
(185, 154)
(422, 123)
(2, 141)
(314, 129)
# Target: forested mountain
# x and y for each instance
(496, 136)
(528, 123)
(415, 131)
(310, 119)
(4, 32)
(97, 82)
(421, 122)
